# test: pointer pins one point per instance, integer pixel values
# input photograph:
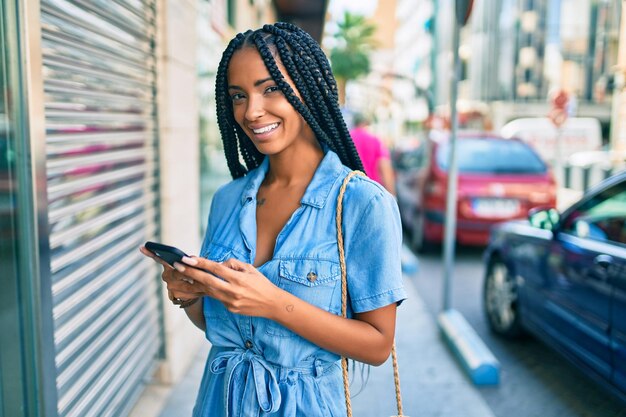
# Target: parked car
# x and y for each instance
(562, 277)
(499, 179)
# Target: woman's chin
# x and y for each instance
(267, 148)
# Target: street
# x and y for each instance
(535, 381)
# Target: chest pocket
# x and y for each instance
(315, 281)
(214, 309)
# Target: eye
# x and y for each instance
(272, 89)
(237, 97)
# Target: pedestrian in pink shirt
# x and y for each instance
(374, 154)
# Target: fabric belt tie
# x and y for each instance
(261, 387)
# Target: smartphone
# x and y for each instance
(169, 254)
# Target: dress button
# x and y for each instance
(248, 344)
(311, 276)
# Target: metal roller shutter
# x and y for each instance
(99, 84)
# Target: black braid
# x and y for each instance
(325, 70)
(225, 118)
(307, 65)
(270, 63)
(327, 85)
(324, 94)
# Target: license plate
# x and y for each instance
(495, 207)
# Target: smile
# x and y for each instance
(265, 129)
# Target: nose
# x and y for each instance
(255, 108)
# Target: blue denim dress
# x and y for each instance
(257, 367)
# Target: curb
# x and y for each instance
(480, 364)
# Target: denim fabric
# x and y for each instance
(257, 367)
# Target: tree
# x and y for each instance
(350, 59)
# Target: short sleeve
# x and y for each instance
(373, 245)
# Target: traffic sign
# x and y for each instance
(559, 112)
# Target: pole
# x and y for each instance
(451, 195)
(559, 165)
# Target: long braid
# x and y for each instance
(326, 72)
(307, 65)
(301, 40)
(324, 96)
(314, 92)
(314, 50)
(326, 100)
(225, 118)
(270, 63)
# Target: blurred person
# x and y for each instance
(266, 288)
(373, 153)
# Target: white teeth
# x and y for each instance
(265, 129)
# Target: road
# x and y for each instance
(535, 381)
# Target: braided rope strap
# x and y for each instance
(344, 304)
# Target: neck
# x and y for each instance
(294, 167)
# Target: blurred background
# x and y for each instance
(109, 138)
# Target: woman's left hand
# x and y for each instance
(240, 286)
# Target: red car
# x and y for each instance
(499, 179)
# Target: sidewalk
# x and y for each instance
(433, 384)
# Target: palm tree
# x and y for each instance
(350, 58)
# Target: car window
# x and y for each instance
(489, 156)
(409, 160)
(601, 218)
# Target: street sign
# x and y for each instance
(463, 11)
(559, 112)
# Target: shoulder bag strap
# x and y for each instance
(344, 302)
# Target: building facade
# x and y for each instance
(515, 53)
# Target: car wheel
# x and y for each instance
(500, 300)
(418, 239)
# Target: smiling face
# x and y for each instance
(260, 107)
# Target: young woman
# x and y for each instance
(268, 276)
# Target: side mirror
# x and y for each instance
(543, 218)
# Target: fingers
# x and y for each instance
(178, 284)
(209, 280)
(237, 265)
(226, 270)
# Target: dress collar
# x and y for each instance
(317, 191)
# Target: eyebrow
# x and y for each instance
(256, 84)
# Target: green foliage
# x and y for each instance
(355, 41)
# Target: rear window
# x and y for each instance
(488, 156)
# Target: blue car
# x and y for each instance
(562, 278)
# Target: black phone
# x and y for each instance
(169, 254)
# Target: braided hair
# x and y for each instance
(308, 67)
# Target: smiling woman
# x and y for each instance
(269, 273)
